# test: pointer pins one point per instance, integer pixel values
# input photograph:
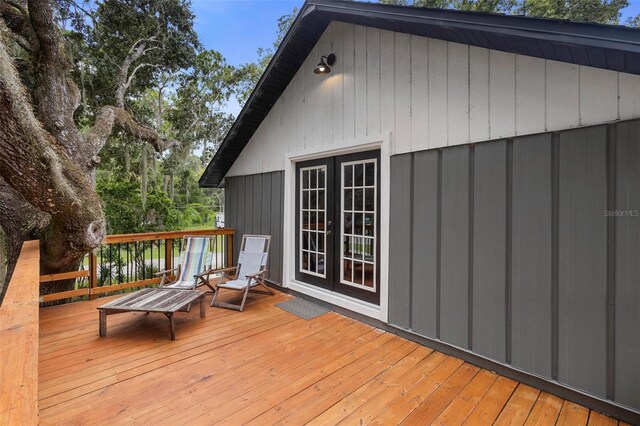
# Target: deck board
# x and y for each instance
(267, 366)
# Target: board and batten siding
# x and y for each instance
(429, 93)
(254, 205)
(526, 250)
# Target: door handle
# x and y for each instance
(328, 232)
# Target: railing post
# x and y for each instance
(93, 274)
(168, 254)
(229, 251)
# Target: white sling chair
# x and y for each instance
(249, 273)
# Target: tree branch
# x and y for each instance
(109, 117)
(88, 13)
(138, 50)
(133, 74)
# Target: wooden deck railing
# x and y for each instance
(127, 261)
(19, 330)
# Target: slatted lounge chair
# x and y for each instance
(194, 267)
(249, 273)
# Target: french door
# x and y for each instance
(338, 224)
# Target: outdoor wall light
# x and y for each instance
(325, 67)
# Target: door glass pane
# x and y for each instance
(369, 199)
(358, 194)
(368, 275)
(313, 178)
(347, 271)
(358, 230)
(312, 220)
(348, 200)
(312, 215)
(346, 247)
(348, 176)
(356, 248)
(358, 171)
(368, 249)
(369, 224)
(313, 199)
(312, 263)
(347, 224)
(357, 272)
(370, 170)
(358, 226)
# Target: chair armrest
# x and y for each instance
(257, 274)
(157, 274)
(229, 269)
(205, 273)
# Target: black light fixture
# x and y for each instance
(325, 67)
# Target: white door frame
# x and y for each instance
(369, 143)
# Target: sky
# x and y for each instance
(237, 28)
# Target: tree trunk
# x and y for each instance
(46, 163)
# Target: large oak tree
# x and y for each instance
(51, 132)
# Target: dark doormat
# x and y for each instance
(302, 308)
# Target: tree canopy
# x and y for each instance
(600, 11)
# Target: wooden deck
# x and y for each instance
(265, 366)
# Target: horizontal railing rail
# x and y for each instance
(19, 331)
(130, 261)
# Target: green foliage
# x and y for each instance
(600, 11)
(196, 111)
(125, 212)
(164, 26)
(633, 22)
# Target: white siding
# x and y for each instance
(437, 121)
(429, 93)
(419, 92)
(478, 94)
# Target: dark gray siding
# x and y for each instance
(424, 264)
(531, 247)
(254, 205)
(489, 250)
(582, 259)
(505, 248)
(454, 246)
(626, 296)
(400, 223)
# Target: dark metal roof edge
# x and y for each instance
(305, 10)
(464, 17)
(498, 23)
(619, 38)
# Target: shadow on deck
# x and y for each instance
(266, 366)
